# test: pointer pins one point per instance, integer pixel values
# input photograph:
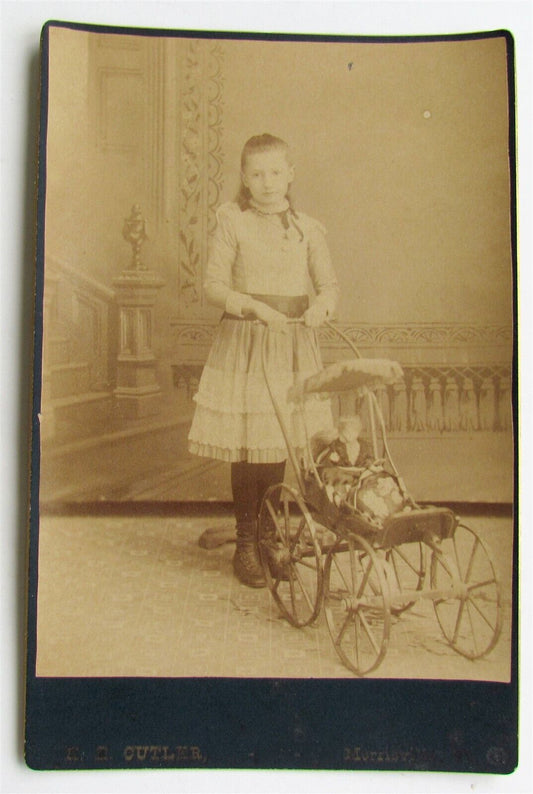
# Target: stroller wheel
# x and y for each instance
(357, 604)
(290, 555)
(469, 612)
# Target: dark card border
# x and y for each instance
(117, 723)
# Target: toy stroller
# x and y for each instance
(359, 549)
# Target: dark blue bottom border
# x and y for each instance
(271, 723)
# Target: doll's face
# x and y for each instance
(350, 428)
(267, 175)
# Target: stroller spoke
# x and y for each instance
(480, 612)
(368, 631)
(407, 561)
(274, 518)
(302, 586)
(340, 572)
(352, 569)
(478, 585)
(471, 561)
(472, 629)
(286, 516)
(456, 556)
(293, 594)
(458, 621)
(395, 567)
(356, 639)
(344, 626)
(406, 573)
(365, 579)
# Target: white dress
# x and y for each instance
(262, 255)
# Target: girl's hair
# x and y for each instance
(254, 145)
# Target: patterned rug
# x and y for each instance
(137, 596)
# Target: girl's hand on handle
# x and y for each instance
(316, 315)
(274, 319)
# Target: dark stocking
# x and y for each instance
(269, 474)
(249, 483)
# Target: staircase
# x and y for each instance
(90, 451)
(78, 355)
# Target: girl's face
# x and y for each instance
(267, 175)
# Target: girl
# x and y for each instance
(261, 258)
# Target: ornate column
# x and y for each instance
(137, 393)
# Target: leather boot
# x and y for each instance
(246, 563)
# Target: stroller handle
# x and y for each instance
(277, 407)
(300, 321)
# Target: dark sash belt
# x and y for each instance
(292, 306)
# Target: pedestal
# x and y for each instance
(137, 393)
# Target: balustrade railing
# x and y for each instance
(434, 400)
(458, 378)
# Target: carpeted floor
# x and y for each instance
(137, 596)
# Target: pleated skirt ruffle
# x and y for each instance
(234, 418)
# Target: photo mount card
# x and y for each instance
(144, 649)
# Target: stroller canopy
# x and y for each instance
(348, 375)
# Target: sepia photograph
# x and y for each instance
(274, 367)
